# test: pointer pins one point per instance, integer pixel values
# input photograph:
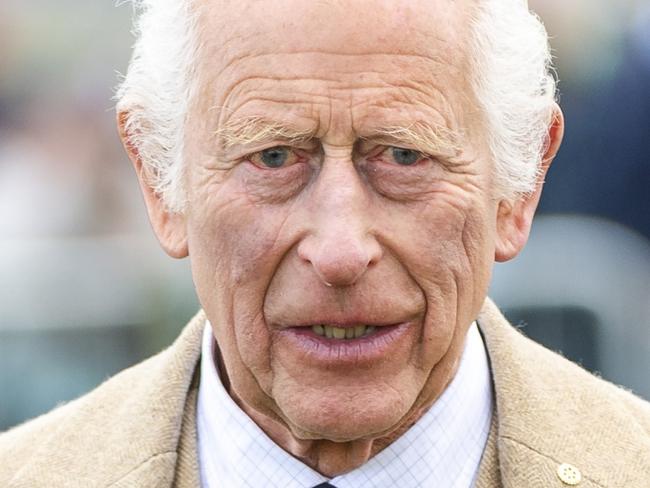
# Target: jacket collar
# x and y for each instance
(542, 419)
(114, 440)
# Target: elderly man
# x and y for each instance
(343, 175)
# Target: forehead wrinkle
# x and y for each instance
(232, 62)
(250, 90)
(238, 105)
(294, 86)
(233, 77)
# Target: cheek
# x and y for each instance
(234, 250)
(236, 225)
(232, 237)
(454, 235)
(445, 245)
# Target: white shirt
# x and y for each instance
(442, 449)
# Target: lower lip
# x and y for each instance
(365, 349)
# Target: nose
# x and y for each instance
(339, 261)
(341, 246)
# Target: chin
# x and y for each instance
(343, 419)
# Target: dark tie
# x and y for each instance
(325, 485)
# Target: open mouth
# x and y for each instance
(346, 344)
(343, 333)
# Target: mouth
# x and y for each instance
(352, 343)
(343, 333)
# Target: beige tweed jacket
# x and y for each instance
(138, 428)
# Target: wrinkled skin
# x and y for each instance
(342, 231)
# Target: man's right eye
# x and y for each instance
(275, 157)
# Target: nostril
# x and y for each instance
(375, 252)
(306, 250)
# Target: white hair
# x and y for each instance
(155, 93)
(513, 83)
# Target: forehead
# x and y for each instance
(291, 56)
(351, 26)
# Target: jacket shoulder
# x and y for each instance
(553, 410)
(102, 436)
(84, 423)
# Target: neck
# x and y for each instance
(327, 457)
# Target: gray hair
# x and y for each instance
(156, 91)
(513, 83)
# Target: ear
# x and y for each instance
(514, 219)
(169, 226)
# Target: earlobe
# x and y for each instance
(169, 227)
(513, 226)
(514, 219)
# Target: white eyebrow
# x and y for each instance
(257, 129)
(246, 131)
(430, 139)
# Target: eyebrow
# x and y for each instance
(248, 131)
(422, 136)
(430, 139)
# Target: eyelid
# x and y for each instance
(380, 150)
(245, 152)
(379, 146)
(292, 150)
(421, 153)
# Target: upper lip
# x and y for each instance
(343, 322)
(340, 325)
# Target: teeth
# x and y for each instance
(343, 332)
(339, 332)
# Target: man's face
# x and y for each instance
(339, 186)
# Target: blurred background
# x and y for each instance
(85, 291)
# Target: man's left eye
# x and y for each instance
(404, 157)
(274, 157)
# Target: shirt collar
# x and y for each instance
(443, 448)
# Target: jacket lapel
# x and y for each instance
(125, 433)
(542, 421)
(187, 463)
(139, 428)
(488, 474)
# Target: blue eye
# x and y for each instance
(274, 157)
(405, 157)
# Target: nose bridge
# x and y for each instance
(339, 187)
(341, 246)
(340, 199)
